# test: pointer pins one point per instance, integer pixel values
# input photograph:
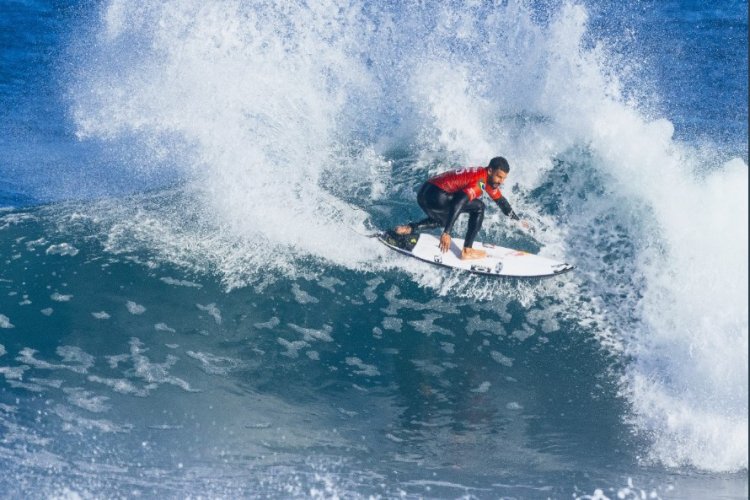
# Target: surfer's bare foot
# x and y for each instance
(472, 253)
(402, 230)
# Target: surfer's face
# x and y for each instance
(495, 178)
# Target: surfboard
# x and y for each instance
(500, 261)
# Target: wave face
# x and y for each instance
(271, 136)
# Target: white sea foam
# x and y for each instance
(13, 372)
(392, 323)
(212, 310)
(501, 358)
(154, 373)
(448, 347)
(86, 399)
(15, 218)
(478, 324)
(31, 245)
(77, 355)
(73, 359)
(329, 283)
(301, 296)
(215, 365)
(369, 292)
(270, 324)
(362, 367)
(74, 423)
(292, 347)
(62, 249)
(5, 322)
(47, 382)
(312, 334)
(483, 387)
(121, 385)
(176, 282)
(428, 326)
(134, 308)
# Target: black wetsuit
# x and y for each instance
(443, 208)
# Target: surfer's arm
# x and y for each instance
(504, 205)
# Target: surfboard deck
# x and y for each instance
(500, 261)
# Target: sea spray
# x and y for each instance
(255, 93)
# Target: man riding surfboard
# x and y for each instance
(445, 196)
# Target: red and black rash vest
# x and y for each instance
(472, 181)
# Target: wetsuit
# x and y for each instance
(444, 197)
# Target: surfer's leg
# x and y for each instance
(421, 225)
(435, 202)
(475, 208)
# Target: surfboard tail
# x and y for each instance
(405, 242)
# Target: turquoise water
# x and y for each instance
(188, 307)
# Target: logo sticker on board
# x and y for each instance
(481, 269)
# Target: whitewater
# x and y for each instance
(190, 307)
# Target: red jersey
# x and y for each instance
(471, 181)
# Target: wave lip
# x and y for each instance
(689, 433)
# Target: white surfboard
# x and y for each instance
(500, 261)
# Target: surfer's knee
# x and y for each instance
(475, 206)
(476, 209)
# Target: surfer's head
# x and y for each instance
(497, 171)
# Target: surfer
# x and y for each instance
(444, 197)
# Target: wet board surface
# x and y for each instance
(500, 261)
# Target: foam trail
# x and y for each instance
(254, 92)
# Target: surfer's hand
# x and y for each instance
(445, 242)
(525, 224)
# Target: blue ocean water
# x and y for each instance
(189, 308)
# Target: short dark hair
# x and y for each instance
(499, 162)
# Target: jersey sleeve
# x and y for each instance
(504, 205)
